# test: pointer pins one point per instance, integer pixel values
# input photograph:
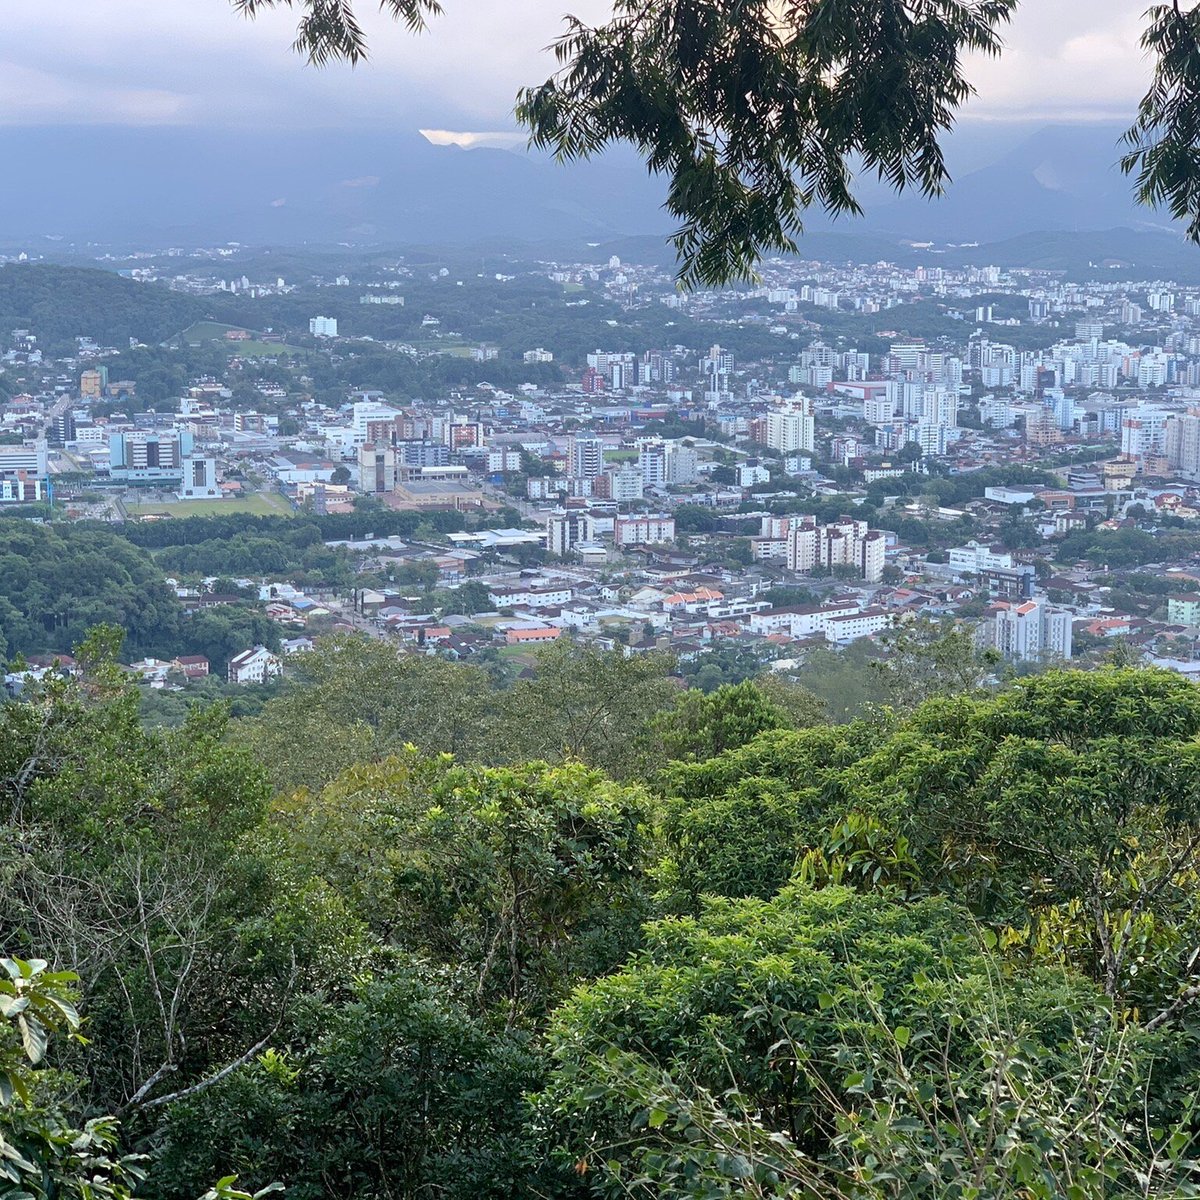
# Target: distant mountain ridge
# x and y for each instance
(154, 187)
(1060, 178)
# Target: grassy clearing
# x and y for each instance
(518, 657)
(259, 504)
(214, 331)
(206, 331)
(265, 349)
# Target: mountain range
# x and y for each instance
(160, 186)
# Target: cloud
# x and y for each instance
(1070, 60)
(185, 62)
(450, 137)
(363, 181)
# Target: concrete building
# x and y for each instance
(652, 461)
(644, 530)
(1029, 631)
(1181, 442)
(376, 468)
(683, 463)
(323, 327)
(587, 457)
(199, 479)
(254, 666)
(567, 529)
(20, 489)
(792, 427)
(852, 626)
(138, 457)
(92, 382)
(845, 543)
(975, 558)
(1143, 432)
(543, 595)
(1184, 609)
(29, 459)
(623, 485)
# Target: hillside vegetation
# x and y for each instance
(647, 944)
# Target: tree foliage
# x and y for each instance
(523, 879)
(949, 950)
(830, 1043)
(756, 112)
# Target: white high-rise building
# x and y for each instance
(792, 427)
(1142, 432)
(366, 412)
(566, 530)
(652, 460)
(587, 457)
(1027, 631)
(843, 543)
(939, 406)
(325, 327)
(1181, 443)
(625, 484)
(683, 463)
(200, 479)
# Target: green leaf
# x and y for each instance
(33, 1038)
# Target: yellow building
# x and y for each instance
(91, 383)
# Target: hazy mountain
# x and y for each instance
(1062, 177)
(157, 186)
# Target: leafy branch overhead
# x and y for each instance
(329, 30)
(757, 110)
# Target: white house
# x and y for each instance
(254, 666)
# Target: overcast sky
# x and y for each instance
(196, 62)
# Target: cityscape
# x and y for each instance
(1008, 472)
(600, 606)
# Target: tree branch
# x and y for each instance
(1174, 1008)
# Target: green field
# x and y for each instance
(451, 347)
(259, 504)
(205, 331)
(264, 349)
(213, 331)
(518, 656)
(614, 456)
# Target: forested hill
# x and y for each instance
(949, 951)
(58, 304)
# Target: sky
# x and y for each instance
(197, 62)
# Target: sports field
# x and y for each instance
(262, 504)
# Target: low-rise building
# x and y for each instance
(644, 530)
(257, 665)
(1184, 609)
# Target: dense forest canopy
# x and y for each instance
(633, 941)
